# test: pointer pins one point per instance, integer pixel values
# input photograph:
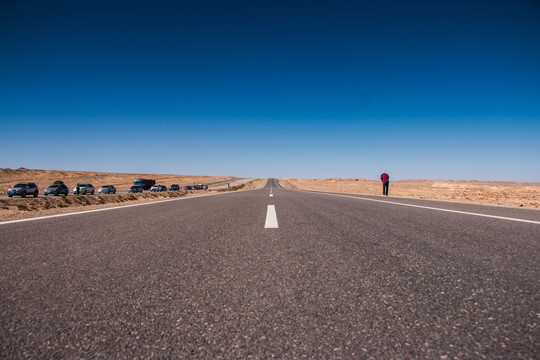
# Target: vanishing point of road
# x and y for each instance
(273, 273)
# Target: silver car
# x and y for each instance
(107, 189)
(84, 189)
(158, 188)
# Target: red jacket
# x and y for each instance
(385, 177)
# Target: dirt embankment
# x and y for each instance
(480, 192)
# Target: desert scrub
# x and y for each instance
(3, 207)
(131, 197)
(47, 205)
(82, 200)
(233, 188)
(100, 200)
(238, 187)
(23, 207)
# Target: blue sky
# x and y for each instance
(418, 89)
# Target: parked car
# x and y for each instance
(135, 189)
(58, 182)
(174, 187)
(56, 189)
(84, 189)
(107, 189)
(157, 188)
(188, 187)
(23, 189)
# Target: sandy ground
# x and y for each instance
(122, 181)
(22, 208)
(479, 192)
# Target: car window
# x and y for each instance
(19, 185)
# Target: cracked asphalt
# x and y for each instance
(340, 278)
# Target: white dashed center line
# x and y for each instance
(271, 218)
(271, 195)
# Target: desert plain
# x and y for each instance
(517, 194)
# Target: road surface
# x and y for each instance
(274, 273)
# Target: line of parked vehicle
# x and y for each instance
(59, 188)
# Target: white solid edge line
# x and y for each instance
(118, 207)
(271, 218)
(431, 208)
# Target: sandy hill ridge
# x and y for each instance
(122, 181)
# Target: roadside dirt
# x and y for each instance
(479, 192)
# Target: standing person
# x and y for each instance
(77, 189)
(385, 181)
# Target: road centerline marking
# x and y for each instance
(271, 218)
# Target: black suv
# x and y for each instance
(23, 189)
(174, 187)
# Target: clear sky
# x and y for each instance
(418, 89)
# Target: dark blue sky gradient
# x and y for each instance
(425, 89)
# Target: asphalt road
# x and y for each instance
(339, 277)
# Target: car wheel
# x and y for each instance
(36, 194)
(45, 194)
(92, 193)
(9, 195)
(23, 194)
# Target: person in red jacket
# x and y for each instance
(385, 181)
